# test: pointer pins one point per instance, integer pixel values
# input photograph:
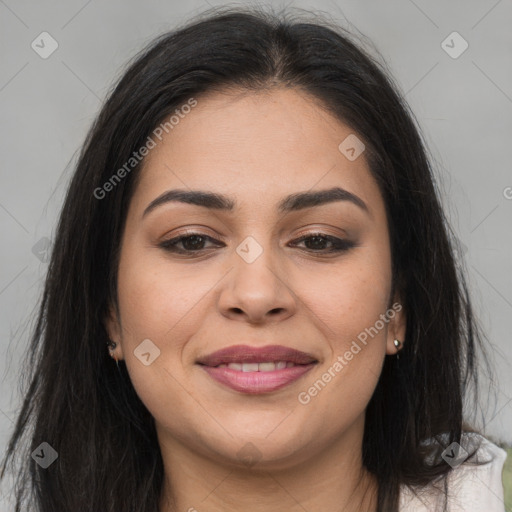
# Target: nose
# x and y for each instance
(257, 292)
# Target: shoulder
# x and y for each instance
(474, 484)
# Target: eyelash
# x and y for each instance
(339, 245)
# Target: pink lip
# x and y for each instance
(256, 382)
(247, 354)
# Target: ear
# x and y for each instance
(397, 325)
(113, 327)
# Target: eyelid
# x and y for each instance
(195, 230)
(321, 230)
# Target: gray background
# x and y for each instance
(463, 105)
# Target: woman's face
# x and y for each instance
(250, 278)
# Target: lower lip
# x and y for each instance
(257, 382)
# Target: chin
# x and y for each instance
(258, 451)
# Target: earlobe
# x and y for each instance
(396, 329)
(113, 328)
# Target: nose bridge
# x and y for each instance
(255, 263)
(255, 286)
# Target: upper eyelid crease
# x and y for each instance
(293, 202)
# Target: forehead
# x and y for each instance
(255, 147)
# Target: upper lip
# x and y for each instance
(248, 354)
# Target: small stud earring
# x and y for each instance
(111, 346)
(398, 344)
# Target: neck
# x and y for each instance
(334, 479)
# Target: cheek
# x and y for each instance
(350, 297)
(157, 301)
(349, 301)
(164, 307)
(350, 305)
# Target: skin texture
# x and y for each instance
(257, 148)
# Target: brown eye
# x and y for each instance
(190, 243)
(316, 242)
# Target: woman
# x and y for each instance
(254, 232)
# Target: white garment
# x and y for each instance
(470, 488)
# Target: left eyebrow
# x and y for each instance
(293, 202)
